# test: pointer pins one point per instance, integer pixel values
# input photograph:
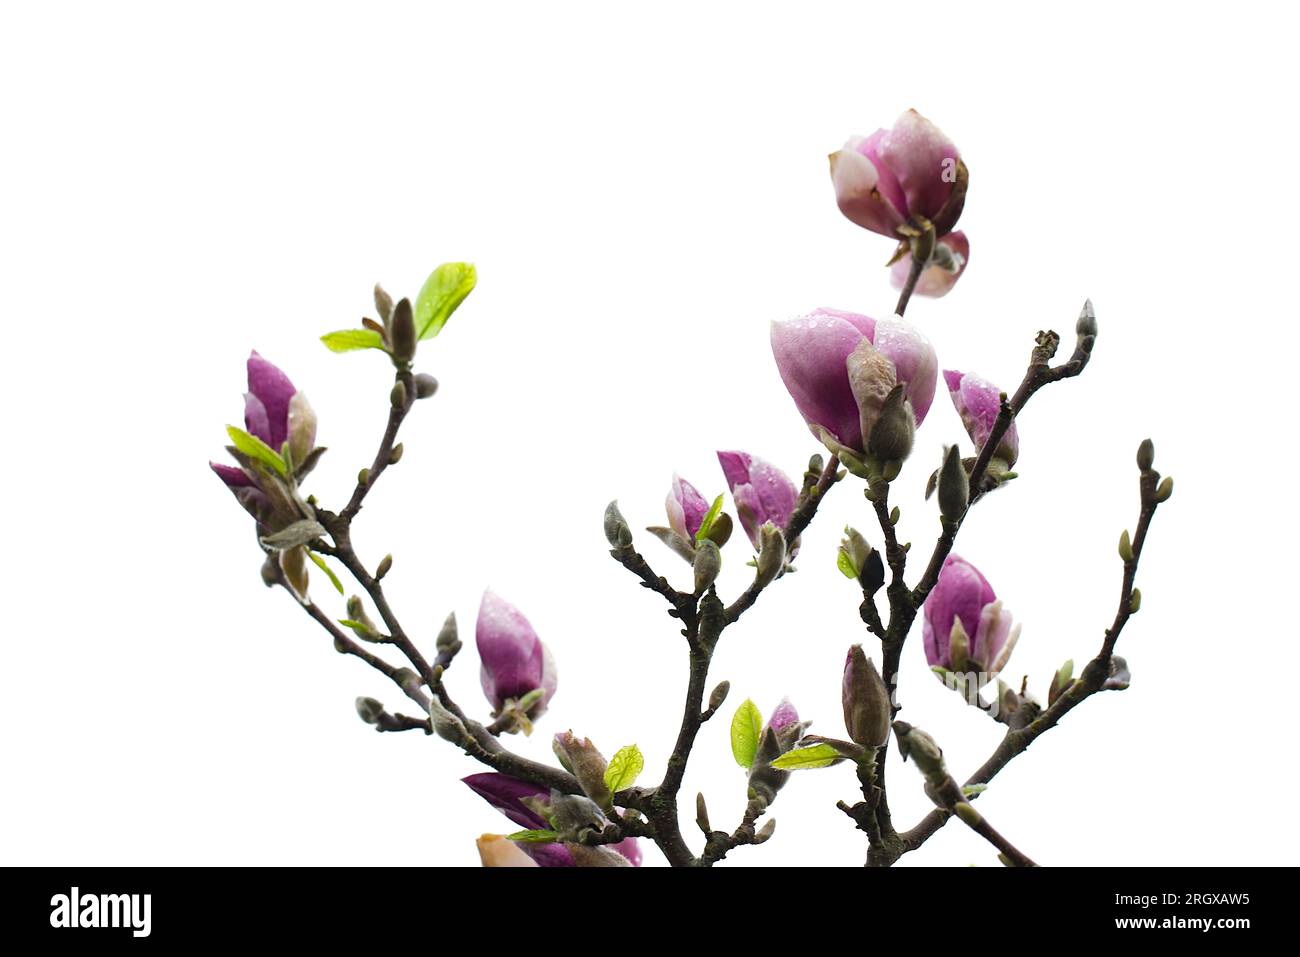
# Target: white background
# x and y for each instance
(643, 190)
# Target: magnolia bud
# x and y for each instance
(1087, 324)
(395, 456)
(771, 555)
(954, 486)
(891, 436)
(1125, 547)
(383, 303)
(1146, 456)
(920, 747)
(1135, 601)
(385, 565)
(865, 698)
(708, 562)
(445, 724)
(403, 332)
(369, 710)
(1165, 489)
(448, 637)
(425, 385)
(719, 695)
(585, 762)
(617, 532)
(397, 395)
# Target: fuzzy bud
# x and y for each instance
(954, 486)
(719, 695)
(1087, 324)
(1146, 456)
(403, 333)
(865, 698)
(920, 747)
(771, 555)
(891, 436)
(708, 562)
(617, 532)
(425, 385)
(369, 710)
(397, 395)
(585, 763)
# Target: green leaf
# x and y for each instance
(623, 768)
(444, 290)
(534, 837)
(354, 625)
(710, 517)
(845, 564)
(970, 790)
(350, 340)
(256, 449)
(801, 759)
(329, 572)
(746, 725)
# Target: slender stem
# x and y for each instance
(905, 295)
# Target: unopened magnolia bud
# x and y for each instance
(425, 385)
(1146, 456)
(271, 570)
(383, 303)
(708, 562)
(445, 724)
(1125, 547)
(407, 680)
(369, 710)
(719, 695)
(448, 638)
(702, 813)
(920, 747)
(1165, 489)
(954, 486)
(403, 332)
(617, 532)
(586, 764)
(969, 816)
(865, 699)
(766, 831)
(397, 395)
(574, 814)
(363, 477)
(771, 555)
(356, 609)
(873, 573)
(395, 456)
(1135, 601)
(893, 432)
(385, 565)
(1087, 324)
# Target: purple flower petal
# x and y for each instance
(960, 593)
(686, 508)
(273, 390)
(761, 491)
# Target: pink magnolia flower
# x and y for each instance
(963, 597)
(514, 660)
(761, 491)
(892, 176)
(978, 401)
(507, 795)
(829, 358)
(686, 508)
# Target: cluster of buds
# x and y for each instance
(908, 183)
(968, 634)
(275, 451)
(571, 817)
(862, 385)
(517, 671)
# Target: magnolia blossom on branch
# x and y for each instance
(863, 387)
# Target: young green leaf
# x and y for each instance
(623, 768)
(349, 340)
(534, 836)
(710, 517)
(746, 725)
(256, 449)
(845, 564)
(801, 759)
(444, 290)
(329, 572)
